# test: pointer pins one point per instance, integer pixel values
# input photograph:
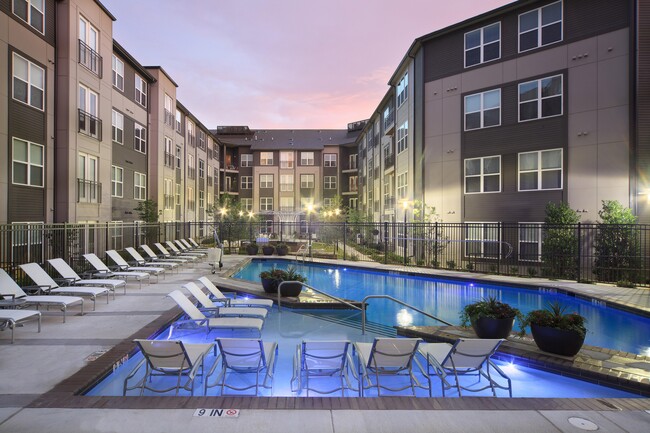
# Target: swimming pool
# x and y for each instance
(607, 327)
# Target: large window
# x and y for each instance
(139, 186)
(540, 98)
(191, 199)
(201, 199)
(140, 143)
(286, 204)
(118, 72)
(266, 204)
(306, 181)
(352, 160)
(117, 127)
(169, 156)
(140, 90)
(247, 160)
(168, 193)
(286, 182)
(27, 163)
(483, 110)
(178, 195)
(306, 158)
(482, 240)
(286, 159)
(169, 110)
(352, 183)
(32, 12)
(89, 122)
(402, 137)
(28, 82)
(191, 167)
(539, 27)
(246, 182)
(88, 187)
(179, 122)
(483, 174)
(330, 182)
(402, 89)
(117, 181)
(483, 45)
(246, 204)
(540, 170)
(89, 47)
(330, 160)
(402, 186)
(201, 168)
(530, 242)
(266, 181)
(179, 153)
(266, 158)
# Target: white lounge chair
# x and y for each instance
(167, 258)
(194, 247)
(170, 358)
(178, 253)
(467, 356)
(245, 356)
(211, 323)
(137, 257)
(387, 357)
(105, 271)
(71, 277)
(122, 265)
(183, 249)
(10, 290)
(167, 255)
(11, 318)
(43, 280)
(219, 310)
(220, 297)
(327, 360)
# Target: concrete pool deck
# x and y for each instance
(40, 374)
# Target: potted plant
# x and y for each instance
(555, 331)
(490, 318)
(252, 248)
(272, 278)
(282, 249)
(268, 249)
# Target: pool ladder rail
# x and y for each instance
(364, 303)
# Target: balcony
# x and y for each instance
(169, 201)
(90, 125)
(389, 161)
(389, 123)
(209, 180)
(88, 191)
(389, 203)
(191, 173)
(169, 118)
(179, 127)
(169, 160)
(90, 59)
(191, 140)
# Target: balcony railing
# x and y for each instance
(90, 59)
(169, 201)
(191, 173)
(169, 160)
(169, 118)
(191, 140)
(389, 160)
(389, 203)
(389, 122)
(191, 205)
(88, 191)
(90, 125)
(179, 127)
(209, 180)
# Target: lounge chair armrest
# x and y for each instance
(118, 268)
(35, 289)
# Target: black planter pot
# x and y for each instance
(268, 250)
(282, 251)
(251, 250)
(488, 327)
(558, 341)
(291, 289)
(269, 285)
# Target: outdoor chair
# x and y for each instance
(176, 252)
(208, 307)
(43, 280)
(164, 257)
(195, 316)
(71, 277)
(166, 254)
(102, 270)
(171, 358)
(10, 318)
(327, 360)
(388, 358)
(155, 262)
(241, 356)
(191, 247)
(220, 297)
(187, 250)
(467, 356)
(122, 265)
(9, 290)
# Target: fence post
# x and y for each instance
(499, 228)
(385, 242)
(345, 238)
(578, 276)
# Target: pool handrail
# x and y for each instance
(342, 301)
(390, 298)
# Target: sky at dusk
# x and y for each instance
(281, 63)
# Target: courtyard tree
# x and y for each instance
(560, 246)
(148, 212)
(431, 240)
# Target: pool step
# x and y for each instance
(352, 322)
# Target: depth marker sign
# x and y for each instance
(219, 413)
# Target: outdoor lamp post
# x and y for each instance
(310, 211)
(405, 207)
(250, 225)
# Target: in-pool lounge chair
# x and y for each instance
(325, 361)
(155, 261)
(10, 290)
(11, 318)
(242, 302)
(71, 277)
(208, 307)
(388, 358)
(104, 271)
(163, 257)
(123, 265)
(211, 323)
(167, 255)
(244, 356)
(43, 280)
(170, 358)
(467, 356)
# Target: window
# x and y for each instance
(169, 110)
(169, 156)
(286, 182)
(118, 73)
(327, 202)
(286, 159)
(246, 182)
(306, 181)
(178, 195)
(402, 137)
(402, 186)
(191, 203)
(28, 163)
(352, 160)
(117, 129)
(330, 182)
(266, 181)
(482, 240)
(139, 186)
(32, 12)
(140, 138)
(530, 242)
(266, 158)
(266, 204)
(246, 204)
(201, 199)
(140, 90)
(330, 160)
(286, 203)
(191, 167)
(540, 170)
(179, 153)
(179, 122)
(168, 193)
(353, 203)
(306, 158)
(89, 47)
(88, 187)
(402, 90)
(28, 82)
(540, 27)
(352, 183)
(247, 160)
(483, 174)
(117, 181)
(483, 110)
(201, 168)
(89, 123)
(540, 98)
(483, 45)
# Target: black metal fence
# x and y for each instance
(583, 252)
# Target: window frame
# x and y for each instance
(401, 190)
(246, 203)
(287, 186)
(533, 227)
(246, 160)
(402, 89)
(28, 19)
(140, 94)
(115, 183)
(402, 137)
(139, 138)
(540, 170)
(288, 161)
(266, 204)
(307, 182)
(201, 168)
(481, 45)
(329, 182)
(28, 163)
(29, 66)
(481, 110)
(539, 98)
(306, 160)
(482, 174)
(265, 159)
(115, 130)
(115, 75)
(330, 160)
(539, 27)
(265, 182)
(139, 190)
(246, 182)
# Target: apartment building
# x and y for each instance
(490, 119)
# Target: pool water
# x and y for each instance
(606, 327)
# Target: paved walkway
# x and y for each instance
(38, 368)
